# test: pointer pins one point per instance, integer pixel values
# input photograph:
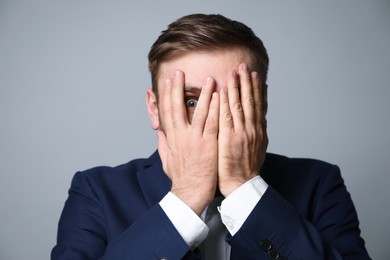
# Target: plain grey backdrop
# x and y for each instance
(73, 78)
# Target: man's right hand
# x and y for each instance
(189, 150)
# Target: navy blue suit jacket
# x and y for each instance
(113, 213)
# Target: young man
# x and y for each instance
(211, 191)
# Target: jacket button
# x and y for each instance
(266, 245)
(273, 254)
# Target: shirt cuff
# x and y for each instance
(236, 207)
(190, 227)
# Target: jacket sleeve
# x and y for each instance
(82, 232)
(275, 229)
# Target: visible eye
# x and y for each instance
(191, 102)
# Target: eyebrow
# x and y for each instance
(195, 90)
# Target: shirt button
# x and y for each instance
(230, 225)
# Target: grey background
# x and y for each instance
(73, 78)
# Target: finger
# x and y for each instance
(235, 101)
(179, 113)
(247, 98)
(166, 106)
(258, 98)
(212, 121)
(225, 116)
(202, 108)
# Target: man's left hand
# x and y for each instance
(242, 139)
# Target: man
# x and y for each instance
(211, 191)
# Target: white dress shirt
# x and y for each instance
(230, 215)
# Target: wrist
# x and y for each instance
(229, 186)
(197, 200)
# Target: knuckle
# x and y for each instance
(250, 100)
(237, 106)
(257, 104)
(166, 110)
(211, 122)
(227, 116)
(211, 126)
(195, 120)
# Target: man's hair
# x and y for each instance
(201, 32)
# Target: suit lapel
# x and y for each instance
(153, 181)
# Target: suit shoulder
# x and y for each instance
(277, 167)
(128, 167)
(276, 161)
(114, 176)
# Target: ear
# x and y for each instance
(151, 104)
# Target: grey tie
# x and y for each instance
(214, 247)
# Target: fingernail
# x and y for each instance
(177, 74)
(208, 81)
(244, 67)
(255, 75)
